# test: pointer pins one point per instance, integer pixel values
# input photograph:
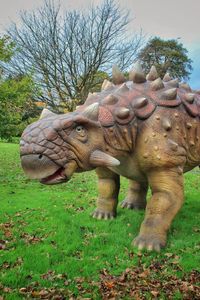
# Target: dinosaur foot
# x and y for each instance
(149, 242)
(133, 205)
(103, 215)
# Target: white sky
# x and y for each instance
(165, 18)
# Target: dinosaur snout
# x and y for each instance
(38, 166)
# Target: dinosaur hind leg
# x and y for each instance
(166, 200)
(136, 197)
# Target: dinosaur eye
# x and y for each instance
(79, 129)
(81, 132)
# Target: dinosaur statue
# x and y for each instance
(146, 129)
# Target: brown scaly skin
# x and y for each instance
(146, 130)
(136, 196)
(108, 185)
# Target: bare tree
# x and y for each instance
(65, 51)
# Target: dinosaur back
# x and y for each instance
(121, 101)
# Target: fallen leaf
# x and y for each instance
(43, 293)
(109, 284)
(7, 233)
(155, 293)
(3, 244)
(144, 274)
(23, 290)
(7, 290)
(169, 254)
(196, 229)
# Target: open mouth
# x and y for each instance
(55, 178)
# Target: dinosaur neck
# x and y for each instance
(120, 137)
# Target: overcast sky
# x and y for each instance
(167, 19)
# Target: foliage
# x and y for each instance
(67, 50)
(99, 77)
(7, 47)
(167, 56)
(51, 247)
(16, 107)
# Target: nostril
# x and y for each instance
(40, 156)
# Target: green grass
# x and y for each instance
(50, 228)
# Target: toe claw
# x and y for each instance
(123, 204)
(157, 248)
(149, 242)
(126, 204)
(141, 245)
(100, 215)
(132, 205)
(94, 214)
(135, 242)
(150, 247)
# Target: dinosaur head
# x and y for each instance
(56, 146)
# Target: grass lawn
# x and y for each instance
(50, 247)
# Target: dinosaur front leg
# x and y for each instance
(108, 185)
(136, 197)
(167, 199)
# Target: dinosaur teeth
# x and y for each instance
(167, 77)
(153, 74)
(122, 112)
(136, 74)
(173, 83)
(157, 84)
(139, 102)
(106, 85)
(99, 158)
(185, 86)
(166, 124)
(110, 100)
(189, 97)
(169, 94)
(117, 75)
(92, 111)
